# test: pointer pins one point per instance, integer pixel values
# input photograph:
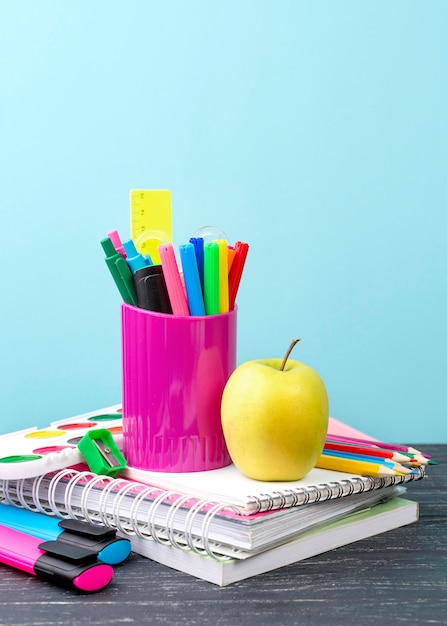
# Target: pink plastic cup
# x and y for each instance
(174, 371)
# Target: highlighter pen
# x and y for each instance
(211, 278)
(237, 268)
(94, 537)
(54, 561)
(126, 276)
(231, 255)
(192, 279)
(116, 240)
(114, 262)
(152, 293)
(135, 260)
(174, 283)
(223, 276)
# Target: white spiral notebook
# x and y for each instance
(149, 519)
(208, 525)
(381, 518)
(229, 486)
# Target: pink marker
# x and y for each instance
(116, 240)
(60, 563)
(174, 283)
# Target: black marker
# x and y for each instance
(152, 293)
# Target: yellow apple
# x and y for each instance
(275, 416)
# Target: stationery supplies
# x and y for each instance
(223, 276)
(198, 249)
(36, 451)
(94, 537)
(174, 372)
(373, 443)
(135, 260)
(379, 519)
(152, 293)
(345, 464)
(57, 562)
(370, 451)
(227, 485)
(186, 522)
(120, 271)
(201, 533)
(150, 220)
(192, 279)
(237, 267)
(174, 283)
(101, 452)
(211, 278)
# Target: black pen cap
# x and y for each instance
(152, 293)
(72, 567)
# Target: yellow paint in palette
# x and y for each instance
(150, 220)
(45, 434)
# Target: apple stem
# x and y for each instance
(284, 361)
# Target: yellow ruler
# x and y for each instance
(150, 220)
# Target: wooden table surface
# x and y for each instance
(396, 578)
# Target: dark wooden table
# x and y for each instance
(396, 578)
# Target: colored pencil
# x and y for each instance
(398, 467)
(355, 467)
(357, 449)
(374, 443)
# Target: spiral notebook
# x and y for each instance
(381, 518)
(229, 486)
(148, 517)
(208, 526)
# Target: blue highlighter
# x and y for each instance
(109, 548)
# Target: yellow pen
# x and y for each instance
(223, 276)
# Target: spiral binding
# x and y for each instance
(137, 509)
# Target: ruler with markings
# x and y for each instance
(150, 220)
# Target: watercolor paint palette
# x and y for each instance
(35, 451)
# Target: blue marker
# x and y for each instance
(109, 548)
(135, 259)
(192, 279)
(198, 243)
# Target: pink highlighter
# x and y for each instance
(62, 564)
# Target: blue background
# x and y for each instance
(316, 131)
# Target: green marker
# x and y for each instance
(211, 278)
(120, 271)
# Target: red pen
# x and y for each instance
(235, 275)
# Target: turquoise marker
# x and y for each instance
(110, 549)
(135, 259)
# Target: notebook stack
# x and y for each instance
(221, 526)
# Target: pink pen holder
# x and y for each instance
(174, 372)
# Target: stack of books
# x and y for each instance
(223, 527)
